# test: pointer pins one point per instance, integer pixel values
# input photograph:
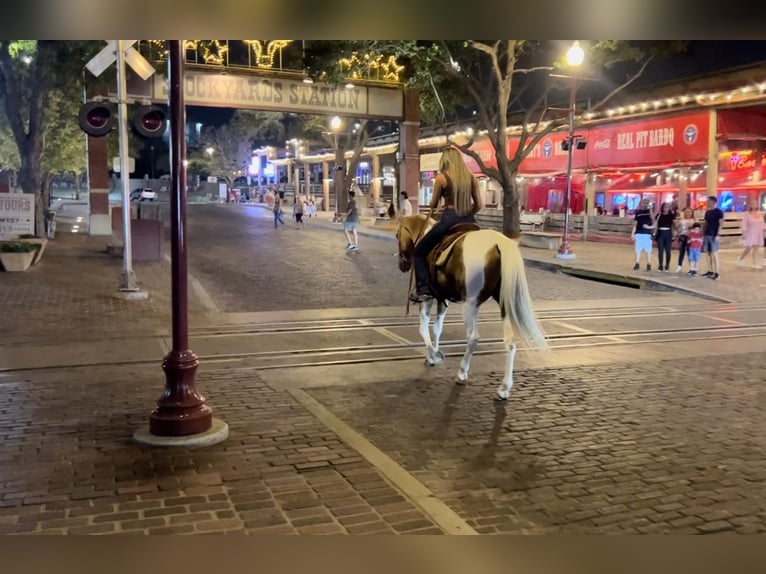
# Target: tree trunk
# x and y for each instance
(339, 180)
(511, 215)
(77, 185)
(30, 181)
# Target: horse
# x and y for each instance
(471, 265)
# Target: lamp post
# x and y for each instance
(181, 417)
(575, 57)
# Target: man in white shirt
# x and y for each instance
(405, 205)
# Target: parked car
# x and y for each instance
(144, 194)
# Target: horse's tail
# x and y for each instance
(515, 300)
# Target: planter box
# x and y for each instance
(17, 261)
(41, 243)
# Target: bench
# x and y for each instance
(534, 220)
(540, 240)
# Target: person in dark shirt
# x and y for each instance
(710, 235)
(642, 234)
(665, 235)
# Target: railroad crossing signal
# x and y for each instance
(108, 56)
(97, 118)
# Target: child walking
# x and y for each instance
(695, 248)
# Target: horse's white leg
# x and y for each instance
(425, 331)
(470, 316)
(504, 389)
(438, 326)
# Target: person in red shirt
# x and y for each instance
(695, 248)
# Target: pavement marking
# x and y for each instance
(730, 321)
(393, 336)
(573, 327)
(200, 291)
(442, 515)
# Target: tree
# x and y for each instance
(501, 80)
(63, 141)
(9, 153)
(226, 150)
(29, 72)
(343, 135)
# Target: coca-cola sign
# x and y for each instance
(605, 143)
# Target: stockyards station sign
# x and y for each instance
(17, 215)
(285, 95)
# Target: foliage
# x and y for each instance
(64, 142)
(29, 72)
(17, 247)
(502, 79)
(9, 151)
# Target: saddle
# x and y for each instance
(440, 254)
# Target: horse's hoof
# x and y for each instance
(439, 356)
(461, 379)
(501, 395)
(429, 363)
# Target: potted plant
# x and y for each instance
(38, 242)
(17, 255)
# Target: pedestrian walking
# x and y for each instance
(665, 220)
(350, 222)
(405, 205)
(752, 234)
(683, 225)
(298, 213)
(642, 234)
(278, 210)
(695, 246)
(710, 236)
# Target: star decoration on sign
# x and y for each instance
(391, 69)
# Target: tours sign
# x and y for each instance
(17, 215)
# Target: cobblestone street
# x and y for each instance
(247, 265)
(650, 447)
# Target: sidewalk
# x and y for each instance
(614, 262)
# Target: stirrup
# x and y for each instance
(420, 297)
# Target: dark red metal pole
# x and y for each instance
(181, 410)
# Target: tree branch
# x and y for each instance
(622, 86)
(492, 172)
(533, 69)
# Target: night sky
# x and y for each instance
(701, 57)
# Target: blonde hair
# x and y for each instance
(462, 179)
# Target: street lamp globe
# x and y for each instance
(335, 122)
(209, 151)
(575, 54)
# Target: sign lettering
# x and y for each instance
(230, 90)
(17, 215)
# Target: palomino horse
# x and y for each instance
(472, 267)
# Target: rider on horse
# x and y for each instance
(460, 192)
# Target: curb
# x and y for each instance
(647, 283)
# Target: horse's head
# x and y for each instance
(409, 230)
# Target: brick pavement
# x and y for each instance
(652, 447)
(72, 289)
(68, 465)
